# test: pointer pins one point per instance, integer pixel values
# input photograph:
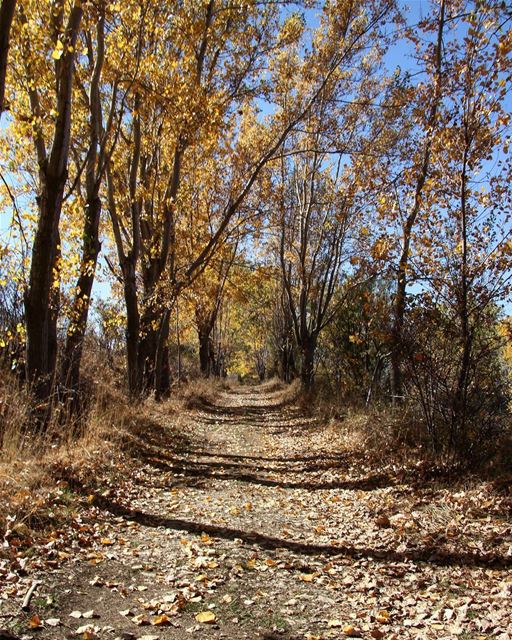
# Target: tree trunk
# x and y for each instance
(287, 363)
(40, 314)
(147, 352)
(81, 304)
(162, 384)
(397, 331)
(40, 308)
(459, 411)
(401, 280)
(6, 16)
(205, 359)
(308, 348)
(132, 328)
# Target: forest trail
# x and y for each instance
(256, 523)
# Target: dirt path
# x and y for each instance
(257, 523)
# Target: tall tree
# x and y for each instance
(6, 17)
(99, 143)
(429, 94)
(52, 148)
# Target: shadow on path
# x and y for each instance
(204, 471)
(428, 555)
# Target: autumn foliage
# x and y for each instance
(212, 189)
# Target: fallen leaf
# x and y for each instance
(351, 631)
(383, 522)
(35, 622)
(206, 617)
(334, 623)
(382, 617)
(87, 629)
(158, 621)
(90, 614)
(140, 619)
(53, 622)
(306, 577)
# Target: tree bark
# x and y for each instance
(81, 303)
(41, 314)
(308, 348)
(459, 411)
(39, 302)
(132, 327)
(162, 384)
(6, 17)
(205, 355)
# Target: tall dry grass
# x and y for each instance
(111, 437)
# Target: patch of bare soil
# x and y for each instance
(258, 524)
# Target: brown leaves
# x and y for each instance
(383, 521)
(35, 622)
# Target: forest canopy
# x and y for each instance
(315, 190)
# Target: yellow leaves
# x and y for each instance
(351, 631)
(307, 577)
(58, 51)
(382, 616)
(160, 620)
(292, 29)
(380, 249)
(206, 617)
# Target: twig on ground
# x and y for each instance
(28, 596)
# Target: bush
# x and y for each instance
(462, 422)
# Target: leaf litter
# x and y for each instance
(260, 528)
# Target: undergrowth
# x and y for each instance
(38, 469)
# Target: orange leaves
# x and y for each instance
(106, 542)
(35, 622)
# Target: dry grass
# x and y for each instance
(199, 393)
(29, 459)
(35, 468)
